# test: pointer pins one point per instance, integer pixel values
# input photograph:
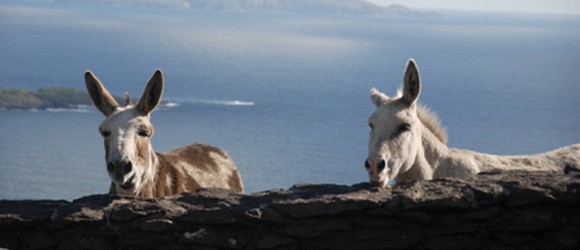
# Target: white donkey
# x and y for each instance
(134, 168)
(407, 143)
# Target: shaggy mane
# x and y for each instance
(432, 122)
(429, 119)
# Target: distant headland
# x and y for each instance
(57, 98)
(343, 7)
(45, 98)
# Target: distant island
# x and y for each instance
(44, 98)
(340, 7)
(53, 98)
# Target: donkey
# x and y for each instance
(407, 142)
(134, 168)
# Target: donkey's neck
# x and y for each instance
(147, 188)
(427, 158)
(166, 176)
(441, 161)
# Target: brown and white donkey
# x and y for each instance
(135, 169)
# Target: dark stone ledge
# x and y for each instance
(507, 210)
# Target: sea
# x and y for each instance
(286, 95)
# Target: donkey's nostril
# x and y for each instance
(127, 167)
(381, 166)
(111, 167)
(367, 165)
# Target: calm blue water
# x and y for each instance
(502, 84)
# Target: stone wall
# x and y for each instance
(512, 210)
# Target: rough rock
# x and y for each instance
(508, 210)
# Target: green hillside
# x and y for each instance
(51, 97)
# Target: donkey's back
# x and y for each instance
(208, 166)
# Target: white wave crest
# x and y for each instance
(170, 104)
(238, 103)
(72, 110)
(212, 102)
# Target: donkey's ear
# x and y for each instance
(377, 97)
(102, 99)
(152, 95)
(412, 83)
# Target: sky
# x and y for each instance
(535, 6)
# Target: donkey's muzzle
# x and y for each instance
(120, 167)
(379, 167)
(375, 168)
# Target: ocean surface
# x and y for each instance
(286, 95)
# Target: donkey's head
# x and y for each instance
(127, 132)
(395, 130)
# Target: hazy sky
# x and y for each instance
(547, 6)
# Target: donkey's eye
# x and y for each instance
(144, 133)
(401, 129)
(404, 128)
